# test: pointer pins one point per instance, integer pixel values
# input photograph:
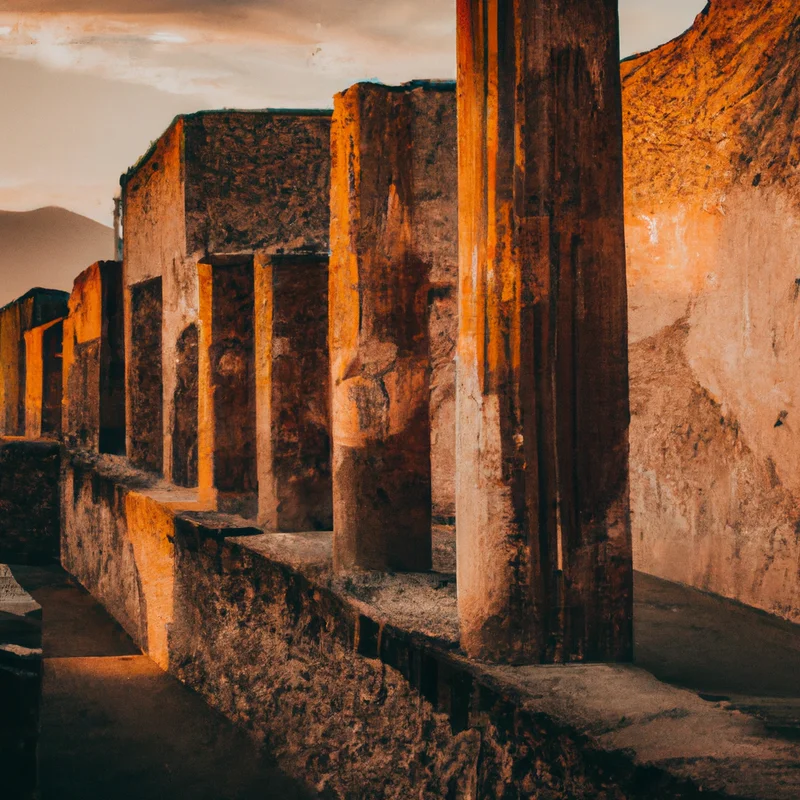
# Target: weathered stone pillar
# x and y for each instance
(94, 361)
(387, 162)
(43, 380)
(226, 438)
(293, 393)
(544, 549)
(144, 384)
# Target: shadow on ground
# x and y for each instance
(115, 726)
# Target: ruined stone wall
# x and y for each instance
(154, 249)
(37, 307)
(218, 182)
(257, 181)
(713, 231)
(29, 502)
(254, 624)
(94, 361)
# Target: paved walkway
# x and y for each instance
(115, 727)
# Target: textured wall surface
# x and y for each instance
(257, 181)
(293, 393)
(389, 706)
(216, 183)
(227, 467)
(713, 233)
(33, 309)
(393, 236)
(29, 502)
(145, 382)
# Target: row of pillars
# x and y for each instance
(542, 509)
(541, 485)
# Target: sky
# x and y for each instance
(88, 84)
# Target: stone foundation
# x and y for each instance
(359, 685)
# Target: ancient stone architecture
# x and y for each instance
(343, 441)
(216, 183)
(544, 550)
(392, 320)
(43, 379)
(37, 307)
(292, 393)
(94, 361)
(713, 229)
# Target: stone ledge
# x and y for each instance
(358, 685)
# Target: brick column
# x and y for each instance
(544, 549)
(384, 168)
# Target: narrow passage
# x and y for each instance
(114, 726)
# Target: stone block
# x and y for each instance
(30, 519)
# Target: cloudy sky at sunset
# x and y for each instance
(87, 84)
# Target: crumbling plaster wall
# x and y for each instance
(713, 235)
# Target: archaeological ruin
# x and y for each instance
(444, 442)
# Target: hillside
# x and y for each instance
(47, 247)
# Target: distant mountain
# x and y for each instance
(48, 247)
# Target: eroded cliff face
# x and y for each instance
(712, 129)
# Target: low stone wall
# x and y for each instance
(29, 501)
(359, 686)
(20, 688)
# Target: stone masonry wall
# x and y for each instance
(713, 232)
(256, 626)
(29, 501)
(33, 309)
(221, 183)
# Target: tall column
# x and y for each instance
(542, 510)
(386, 166)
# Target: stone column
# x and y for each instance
(384, 170)
(94, 361)
(43, 380)
(544, 547)
(226, 440)
(293, 393)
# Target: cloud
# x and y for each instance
(125, 67)
(236, 54)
